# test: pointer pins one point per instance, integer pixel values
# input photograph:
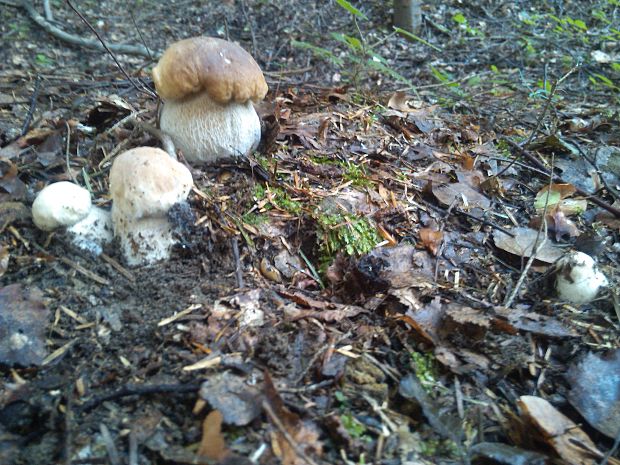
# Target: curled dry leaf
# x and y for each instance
(289, 426)
(431, 239)
(398, 101)
(212, 444)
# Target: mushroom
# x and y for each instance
(144, 184)
(208, 86)
(67, 205)
(60, 204)
(578, 279)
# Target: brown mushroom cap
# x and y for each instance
(146, 182)
(223, 69)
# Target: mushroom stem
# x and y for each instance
(233, 129)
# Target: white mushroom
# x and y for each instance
(208, 86)
(67, 205)
(578, 279)
(60, 204)
(144, 184)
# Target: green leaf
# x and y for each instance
(541, 199)
(415, 37)
(580, 24)
(353, 42)
(43, 59)
(459, 18)
(351, 9)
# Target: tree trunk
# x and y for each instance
(408, 15)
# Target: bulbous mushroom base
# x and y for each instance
(206, 131)
(146, 241)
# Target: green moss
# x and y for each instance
(355, 173)
(425, 369)
(353, 235)
(353, 427)
(254, 218)
(279, 198)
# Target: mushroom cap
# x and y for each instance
(146, 182)
(223, 69)
(60, 204)
(578, 279)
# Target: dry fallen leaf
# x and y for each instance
(561, 433)
(398, 101)
(23, 324)
(304, 434)
(4, 259)
(597, 396)
(431, 239)
(461, 194)
(522, 244)
(212, 444)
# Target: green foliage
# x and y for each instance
(355, 173)
(600, 80)
(278, 198)
(461, 20)
(43, 59)
(351, 9)
(254, 218)
(344, 232)
(425, 369)
(354, 428)
(359, 58)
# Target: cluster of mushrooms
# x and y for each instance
(208, 86)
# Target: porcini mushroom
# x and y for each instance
(208, 86)
(67, 205)
(60, 204)
(578, 279)
(144, 184)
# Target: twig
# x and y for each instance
(238, 271)
(536, 247)
(133, 447)
(68, 146)
(165, 139)
(118, 267)
(48, 10)
(280, 426)
(33, 105)
(107, 48)
(83, 271)
(142, 389)
(72, 39)
(109, 445)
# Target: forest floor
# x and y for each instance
(360, 291)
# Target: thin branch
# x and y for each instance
(33, 105)
(48, 10)
(72, 39)
(111, 53)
